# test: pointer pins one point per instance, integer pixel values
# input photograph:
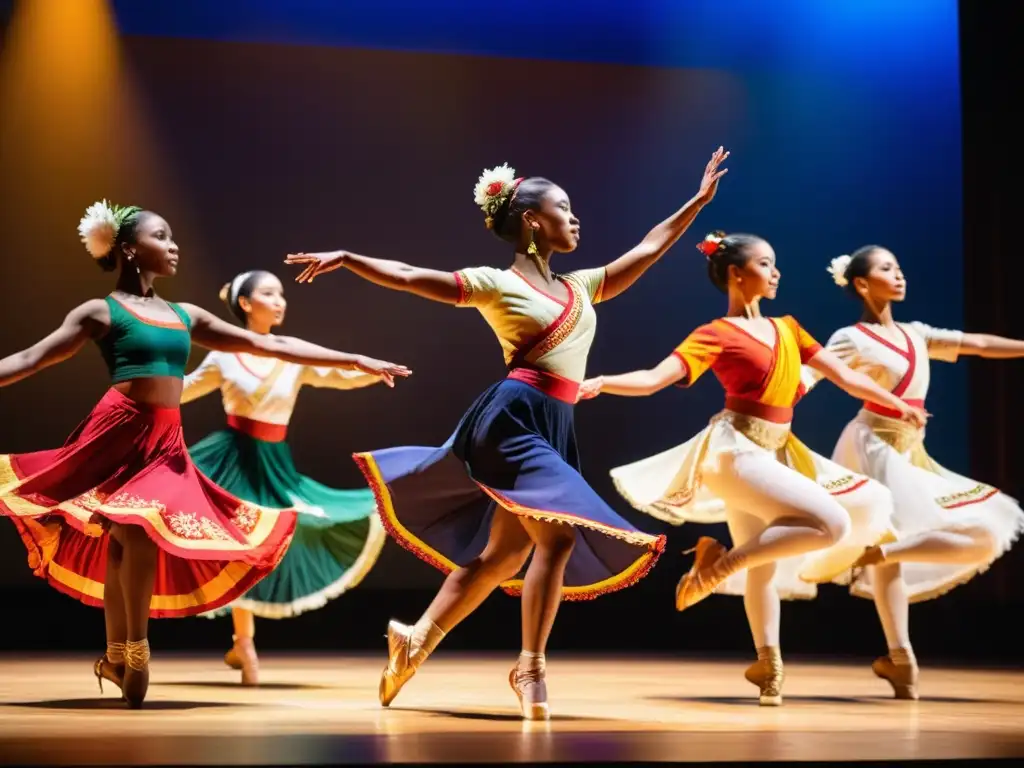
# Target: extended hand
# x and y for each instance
(316, 263)
(387, 371)
(709, 184)
(590, 388)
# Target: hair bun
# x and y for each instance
(711, 243)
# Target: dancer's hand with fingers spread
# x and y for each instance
(316, 263)
(590, 388)
(709, 183)
(385, 370)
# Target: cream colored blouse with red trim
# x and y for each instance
(242, 381)
(898, 362)
(534, 328)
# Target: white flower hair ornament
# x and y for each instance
(100, 225)
(838, 270)
(495, 186)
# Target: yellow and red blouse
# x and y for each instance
(759, 380)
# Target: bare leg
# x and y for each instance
(542, 588)
(463, 591)
(243, 650)
(466, 588)
(138, 576)
(244, 622)
(111, 664)
(542, 593)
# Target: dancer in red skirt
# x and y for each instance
(178, 545)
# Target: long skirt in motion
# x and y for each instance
(127, 463)
(338, 536)
(515, 447)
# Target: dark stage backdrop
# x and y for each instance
(258, 131)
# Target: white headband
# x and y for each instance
(236, 286)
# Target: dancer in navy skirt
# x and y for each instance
(507, 483)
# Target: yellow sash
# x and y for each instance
(784, 379)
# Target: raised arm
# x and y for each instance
(628, 268)
(636, 383)
(87, 321)
(862, 387)
(431, 284)
(992, 347)
(213, 333)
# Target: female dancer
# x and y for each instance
(507, 482)
(339, 536)
(178, 545)
(950, 527)
(795, 518)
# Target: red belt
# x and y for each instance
(881, 410)
(774, 413)
(550, 384)
(261, 430)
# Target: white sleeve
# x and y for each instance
(942, 344)
(841, 345)
(206, 378)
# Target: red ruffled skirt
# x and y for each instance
(127, 463)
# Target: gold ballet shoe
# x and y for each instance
(400, 667)
(110, 665)
(136, 673)
(768, 674)
(408, 648)
(532, 692)
(242, 656)
(902, 677)
(711, 567)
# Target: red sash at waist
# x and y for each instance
(774, 413)
(550, 384)
(881, 410)
(261, 430)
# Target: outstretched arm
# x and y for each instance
(627, 269)
(429, 283)
(206, 378)
(993, 347)
(87, 321)
(862, 387)
(213, 333)
(637, 383)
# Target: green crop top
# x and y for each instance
(136, 347)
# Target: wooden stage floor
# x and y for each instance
(316, 710)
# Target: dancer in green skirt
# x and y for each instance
(339, 536)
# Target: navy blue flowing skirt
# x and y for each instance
(515, 447)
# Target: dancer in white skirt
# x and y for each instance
(950, 527)
(796, 519)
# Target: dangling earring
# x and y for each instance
(532, 247)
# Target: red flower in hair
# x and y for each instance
(494, 188)
(708, 247)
